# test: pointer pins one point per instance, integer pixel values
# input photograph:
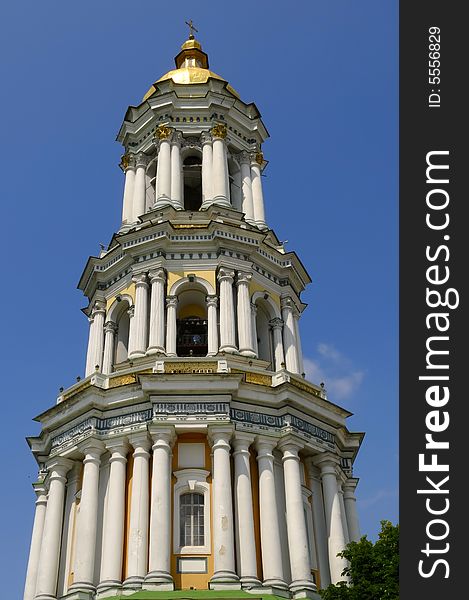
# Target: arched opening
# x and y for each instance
(192, 324)
(121, 349)
(192, 171)
(264, 333)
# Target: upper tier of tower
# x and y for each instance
(192, 143)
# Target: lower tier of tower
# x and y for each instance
(163, 481)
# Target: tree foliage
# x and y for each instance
(373, 569)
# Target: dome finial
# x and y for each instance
(192, 28)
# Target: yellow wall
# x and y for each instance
(130, 291)
(175, 276)
(256, 287)
(192, 310)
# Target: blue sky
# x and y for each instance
(324, 76)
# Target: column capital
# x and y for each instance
(225, 274)
(276, 323)
(349, 487)
(40, 489)
(242, 440)
(176, 138)
(157, 275)
(163, 132)
(58, 467)
(163, 436)
(118, 447)
(287, 303)
(92, 450)
(265, 446)
(140, 442)
(244, 158)
(220, 435)
(290, 448)
(212, 301)
(99, 307)
(205, 138)
(127, 161)
(254, 309)
(257, 159)
(243, 278)
(141, 160)
(171, 301)
(219, 131)
(131, 311)
(327, 462)
(140, 279)
(110, 327)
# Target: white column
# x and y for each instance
(137, 544)
(85, 546)
(207, 161)
(269, 518)
(254, 329)
(176, 171)
(128, 166)
(223, 531)
(138, 331)
(296, 523)
(246, 345)
(110, 330)
(257, 195)
(313, 555)
(96, 340)
(289, 341)
(335, 533)
(220, 179)
(159, 564)
(351, 509)
(163, 173)
(48, 569)
(212, 302)
(246, 188)
(342, 510)
(299, 351)
(139, 187)
(227, 317)
(277, 327)
(156, 337)
(113, 543)
(319, 522)
(36, 539)
(246, 545)
(171, 305)
(70, 518)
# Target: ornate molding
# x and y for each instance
(276, 323)
(219, 131)
(163, 132)
(192, 408)
(190, 367)
(225, 275)
(243, 278)
(127, 160)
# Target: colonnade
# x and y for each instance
(231, 323)
(169, 184)
(148, 546)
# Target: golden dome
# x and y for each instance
(192, 67)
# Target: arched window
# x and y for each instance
(192, 168)
(191, 520)
(122, 336)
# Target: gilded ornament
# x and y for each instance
(192, 368)
(163, 132)
(122, 380)
(219, 130)
(125, 161)
(260, 158)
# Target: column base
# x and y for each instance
(155, 350)
(77, 595)
(82, 586)
(306, 593)
(279, 589)
(248, 353)
(224, 580)
(229, 349)
(136, 354)
(107, 588)
(304, 588)
(217, 201)
(251, 583)
(158, 581)
(131, 585)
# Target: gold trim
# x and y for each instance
(301, 385)
(122, 380)
(77, 390)
(163, 132)
(194, 226)
(219, 130)
(189, 367)
(256, 378)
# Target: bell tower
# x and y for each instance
(193, 454)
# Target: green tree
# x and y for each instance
(373, 569)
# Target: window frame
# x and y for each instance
(191, 481)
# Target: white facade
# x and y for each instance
(194, 454)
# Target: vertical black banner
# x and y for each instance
(434, 357)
